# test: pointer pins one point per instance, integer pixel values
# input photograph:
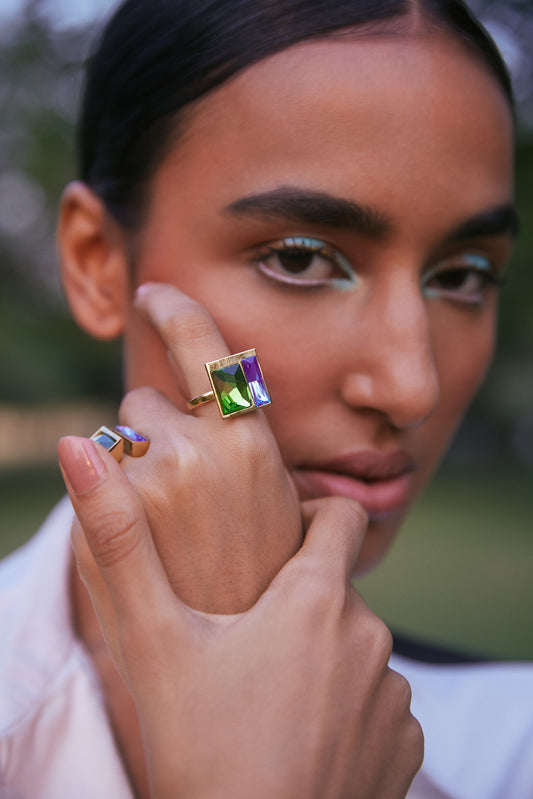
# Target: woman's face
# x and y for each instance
(344, 208)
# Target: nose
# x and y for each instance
(393, 371)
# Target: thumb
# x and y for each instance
(321, 570)
(335, 530)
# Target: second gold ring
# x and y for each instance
(120, 440)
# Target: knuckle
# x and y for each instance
(369, 631)
(319, 591)
(416, 734)
(134, 401)
(175, 451)
(300, 576)
(412, 735)
(378, 635)
(413, 742)
(402, 690)
(383, 638)
(324, 592)
(116, 535)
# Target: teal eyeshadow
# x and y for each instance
(479, 262)
(350, 280)
(316, 245)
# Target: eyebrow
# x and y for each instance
(308, 207)
(312, 208)
(499, 221)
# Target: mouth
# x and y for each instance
(381, 482)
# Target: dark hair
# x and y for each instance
(156, 57)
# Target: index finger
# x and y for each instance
(194, 341)
(187, 329)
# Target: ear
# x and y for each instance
(94, 264)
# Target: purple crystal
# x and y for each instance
(129, 433)
(256, 382)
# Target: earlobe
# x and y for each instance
(94, 262)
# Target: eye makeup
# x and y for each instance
(305, 262)
(462, 278)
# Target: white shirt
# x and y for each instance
(56, 741)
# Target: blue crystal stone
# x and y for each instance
(106, 441)
(255, 381)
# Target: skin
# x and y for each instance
(387, 366)
(427, 165)
(255, 703)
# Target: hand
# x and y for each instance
(221, 506)
(293, 698)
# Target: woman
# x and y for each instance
(334, 187)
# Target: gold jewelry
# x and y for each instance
(207, 397)
(121, 439)
(237, 385)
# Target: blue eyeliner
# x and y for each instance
(467, 263)
(301, 245)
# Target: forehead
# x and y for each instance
(383, 115)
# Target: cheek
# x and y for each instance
(462, 361)
(463, 354)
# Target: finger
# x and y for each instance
(115, 526)
(188, 331)
(335, 530)
(152, 414)
(96, 587)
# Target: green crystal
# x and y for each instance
(232, 389)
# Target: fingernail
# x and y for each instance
(141, 291)
(81, 463)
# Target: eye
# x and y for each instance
(465, 278)
(306, 262)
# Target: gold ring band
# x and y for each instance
(207, 397)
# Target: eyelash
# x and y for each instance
(302, 247)
(463, 267)
(466, 267)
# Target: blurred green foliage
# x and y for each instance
(459, 574)
(43, 354)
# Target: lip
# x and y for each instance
(381, 482)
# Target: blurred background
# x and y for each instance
(461, 573)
